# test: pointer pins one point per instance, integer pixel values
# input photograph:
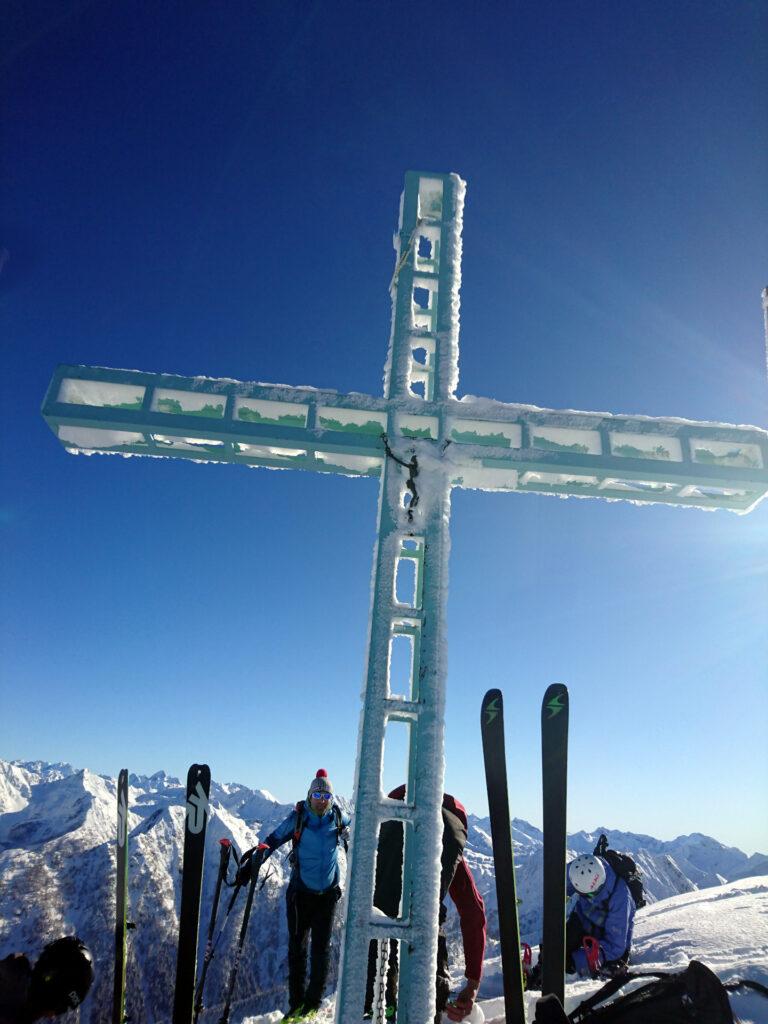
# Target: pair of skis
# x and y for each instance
(188, 1000)
(554, 750)
(198, 788)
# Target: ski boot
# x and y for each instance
(294, 1015)
(390, 1015)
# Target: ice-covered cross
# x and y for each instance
(420, 441)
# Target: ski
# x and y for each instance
(554, 770)
(225, 851)
(198, 787)
(121, 895)
(492, 728)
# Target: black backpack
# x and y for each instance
(625, 868)
(695, 994)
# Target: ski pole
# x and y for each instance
(224, 1018)
(224, 855)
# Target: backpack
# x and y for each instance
(450, 803)
(625, 867)
(301, 821)
(695, 994)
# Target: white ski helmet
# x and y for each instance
(587, 874)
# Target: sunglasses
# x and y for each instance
(321, 796)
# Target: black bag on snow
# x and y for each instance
(693, 996)
(625, 868)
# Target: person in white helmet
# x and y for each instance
(598, 933)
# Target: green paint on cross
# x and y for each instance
(631, 452)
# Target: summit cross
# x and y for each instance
(420, 442)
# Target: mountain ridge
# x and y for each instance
(57, 864)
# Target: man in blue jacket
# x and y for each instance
(317, 827)
(598, 934)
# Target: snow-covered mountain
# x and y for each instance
(57, 876)
(678, 866)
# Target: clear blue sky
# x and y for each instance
(212, 189)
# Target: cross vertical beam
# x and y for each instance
(414, 515)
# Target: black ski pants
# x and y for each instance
(309, 914)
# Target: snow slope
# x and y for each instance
(726, 927)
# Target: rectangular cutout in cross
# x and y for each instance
(421, 297)
(417, 385)
(405, 582)
(428, 250)
(396, 755)
(408, 572)
(424, 303)
(430, 198)
(400, 668)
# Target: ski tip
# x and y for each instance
(555, 701)
(554, 689)
(492, 709)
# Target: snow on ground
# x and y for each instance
(725, 927)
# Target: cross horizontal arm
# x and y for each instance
(127, 412)
(479, 443)
(586, 454)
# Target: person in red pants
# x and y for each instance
(455, 881)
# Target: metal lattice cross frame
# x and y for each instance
(420, 441)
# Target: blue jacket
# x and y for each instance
(608, 915)
(316, 866)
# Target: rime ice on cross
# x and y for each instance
(420, 442)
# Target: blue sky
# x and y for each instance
(212, 189)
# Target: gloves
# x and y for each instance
(461, 1006)
(251, 859)
(589, 959)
